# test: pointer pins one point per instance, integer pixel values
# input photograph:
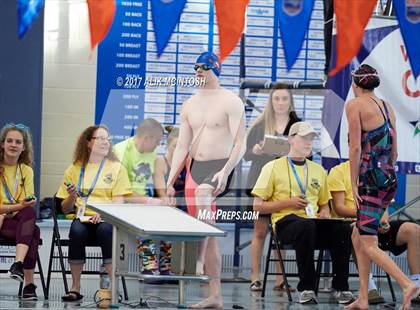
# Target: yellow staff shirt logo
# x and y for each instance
(108, 179)
(315, 184)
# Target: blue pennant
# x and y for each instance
(294, 17)
(165, 16)
(28, 11)
(408, 14)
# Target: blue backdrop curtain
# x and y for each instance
(21, 72)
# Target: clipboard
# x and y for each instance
(275, 145)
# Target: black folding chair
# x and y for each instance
(10, 242)
(58, 242)
(276, 245)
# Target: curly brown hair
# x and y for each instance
(82, 152)
(26, 157)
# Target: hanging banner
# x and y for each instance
(101, 16)
(351, 20)
(165, 16)
(294, 17)
(231, 21)
(28, 11)
(408, 14)
(382, 48)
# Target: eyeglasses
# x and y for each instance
(17, 126)
(204, 67)
(102, 139)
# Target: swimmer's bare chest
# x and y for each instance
(211, 134)
(204, 118)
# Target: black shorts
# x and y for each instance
(388, 240)
(202, 172)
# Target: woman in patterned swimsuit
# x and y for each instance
(373, 153)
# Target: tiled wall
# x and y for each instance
(69, 87)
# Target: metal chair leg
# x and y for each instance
(391, 288)
(41, 275)
(124, 284)
(286, 282)
(50, 265)
(63, 269)
(20, 289)
(267, 265)
(318, 270)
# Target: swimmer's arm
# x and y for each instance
(355, 133)
(394, 125)
(182, 146)
(237, 129)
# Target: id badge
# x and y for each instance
(310, 211)
(81, 211)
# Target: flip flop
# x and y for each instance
(256, 286)
(282, 288)
(72, 296)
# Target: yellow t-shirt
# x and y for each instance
(277, 182)
(112, 181)
(339, 181)
(25, 184)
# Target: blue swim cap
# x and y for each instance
(211, 60)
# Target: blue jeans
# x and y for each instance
(88, 234)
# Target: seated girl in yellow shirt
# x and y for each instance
(95, 175)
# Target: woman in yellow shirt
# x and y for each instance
(95, 175)
(17, 217)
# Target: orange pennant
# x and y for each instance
(101, 16)
(352, 17)
(231, 19)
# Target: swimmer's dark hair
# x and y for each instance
(366, 77)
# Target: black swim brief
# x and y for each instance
(203, 172)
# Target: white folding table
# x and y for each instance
(151, 222)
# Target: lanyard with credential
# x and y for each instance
(9, 195)
(302, 189)
(82, 208)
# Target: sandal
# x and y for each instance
(72, 296)
(256, 286)
(282, 288)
